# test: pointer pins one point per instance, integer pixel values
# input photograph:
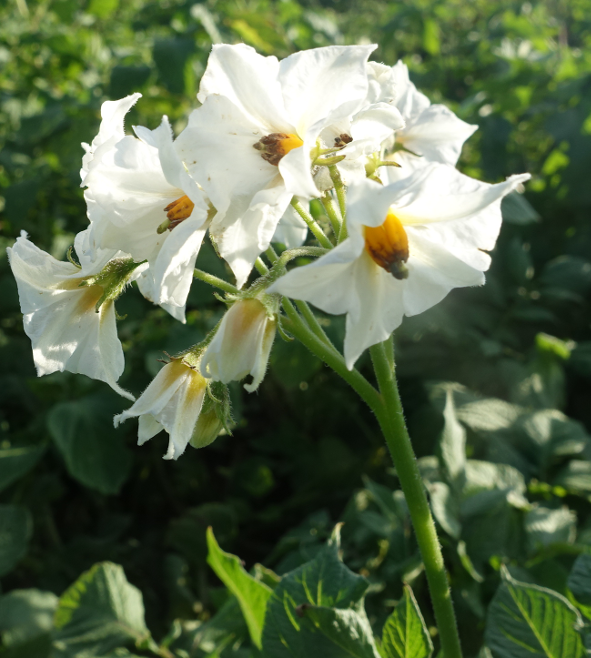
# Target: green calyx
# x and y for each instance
(374, 162)
(112, 279)
(215, 416)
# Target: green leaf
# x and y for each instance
(298, 624)
(545, 526)
(98, 613)
(25, 614)
(252, 594)
(346, 629)
(527, 621)
(405, 634)
(452, 447)
(516, 209)
(94, 452)
(16, 461)
(445, 508)
(15, 531)
(102, 8)
(579, 580)
(575, 476)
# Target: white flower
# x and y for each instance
(433, 132)
(142, 201)
(173, 401)
(249, 144)
(241, 345)
(60, 318)
(291, 230)
(410, 243)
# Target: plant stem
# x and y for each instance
(298, 328)
(391, 419)
(312, 225)
(214, 281)
(339, 187)
(335, 220)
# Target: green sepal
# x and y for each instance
(215, 416)
(113, 278)
(285, 335)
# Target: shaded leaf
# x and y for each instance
(98, 613)
(15, 531)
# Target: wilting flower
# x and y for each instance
(72, 326)
(142, 201)
(250, 143)
(241, 345)
(174, 402)
(410, 243)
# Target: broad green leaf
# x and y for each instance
(545, 526)
(94, 452)
(98, 613)
(102, 8)
(26, 613)
(323, 583)
(489, 486)
(452, 447)
(16, 461)
(445, 509)
(252, 594)
(405, 634)
(579, 580)
(527, 621)
(346, 629)
(15, 530)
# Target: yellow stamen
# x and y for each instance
(178, 210)
(274, 146)
(387, 244)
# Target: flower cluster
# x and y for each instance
(268, 137)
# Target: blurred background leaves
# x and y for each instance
(495, 380)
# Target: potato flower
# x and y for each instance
(409, 244)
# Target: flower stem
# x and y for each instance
(214, 281)
(312, 225)
(327, 353)
(339, 187)
(391, 419)
(335, 220)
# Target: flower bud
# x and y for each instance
(241, 345)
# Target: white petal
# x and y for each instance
(111, 131)
(148, 427)
(324, 85)
(437, 134)
(408, 100)
(296, 172)
(292, 230)
(218, 149)
(432, 272)
(249, 81)
(376, 308)
(326, 283)
(245, 232)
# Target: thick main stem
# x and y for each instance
(391, 419)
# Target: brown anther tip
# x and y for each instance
(342, 140)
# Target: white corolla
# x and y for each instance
(173, 402)
(409, 244)
(432, 132)
(241, 345)
(251, 143)
(141, 200)
(61, 318)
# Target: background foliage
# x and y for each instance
(495, 380)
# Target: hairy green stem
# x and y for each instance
(312, 225)
(339, 187)
(214, 281)
(298, 328)
(391, 419)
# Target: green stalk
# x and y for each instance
(391, 418)
(312, 225)
(215, 281)
(335, 220)
(339, 187)
(298, 328)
